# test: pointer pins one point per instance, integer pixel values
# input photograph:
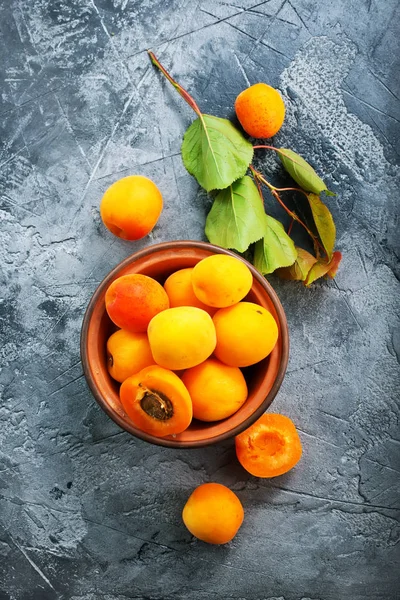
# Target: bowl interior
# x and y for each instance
(263, 379)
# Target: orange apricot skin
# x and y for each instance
(213, 513)
(180, 291)
(217, 390)
(260, 110)
(127, 354)
(181, 337)
(131, 207)
(270, 447)
(246, 334)
(220, 280)
(133, 300)
(157, 379)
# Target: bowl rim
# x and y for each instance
(170, 442)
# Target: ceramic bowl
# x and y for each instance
(159, 261)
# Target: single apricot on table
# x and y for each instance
(157, 401)
(246, 333)
(180, 291)
(260, 110)
(221, 280)
(270, 447)
(133, 300)
(217, 390)
(181, 337)
(131, 207)
(213, 513)
(127, 354)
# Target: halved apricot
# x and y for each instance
(157, 401)
(270, 447)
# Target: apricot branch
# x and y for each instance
(185, 95)
(258, 176)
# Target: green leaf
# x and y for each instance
(299, 270)
(323, 268)
(324, 223)
(275, 250)
(215, 152)
(301, 171)
(237, 217)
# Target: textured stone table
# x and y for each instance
(88, 512)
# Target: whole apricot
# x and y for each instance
(260, 110)
(181, 337)
(133, 300)
(213, 513)
(270, 447)
(127, 353)
(246, 333)
(131, 207)
(157, 401)
(220, 280)
(180, 291)
(217, 390)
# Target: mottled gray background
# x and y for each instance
(88, 512)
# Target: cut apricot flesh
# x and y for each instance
(270, 447)
(157, 401)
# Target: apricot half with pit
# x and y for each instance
(157, 401)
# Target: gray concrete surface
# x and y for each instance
(86, 511)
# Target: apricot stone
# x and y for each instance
(181, 337)
(157, 401)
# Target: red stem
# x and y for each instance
(275, 194)
(185, 95)
(289, 231)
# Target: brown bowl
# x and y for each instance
(263, 379)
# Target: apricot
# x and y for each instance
(270, 447)
(181, 337)
(131, 206)
(260, 110)
(157, 401)
(127, 353)
(217, 390)
(213, 513)
(180, 291)
(221, 280)
(246, 333)
(133, 300)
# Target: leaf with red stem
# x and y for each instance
(299, 270)
(320, 269)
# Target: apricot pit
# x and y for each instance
(157, 401)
